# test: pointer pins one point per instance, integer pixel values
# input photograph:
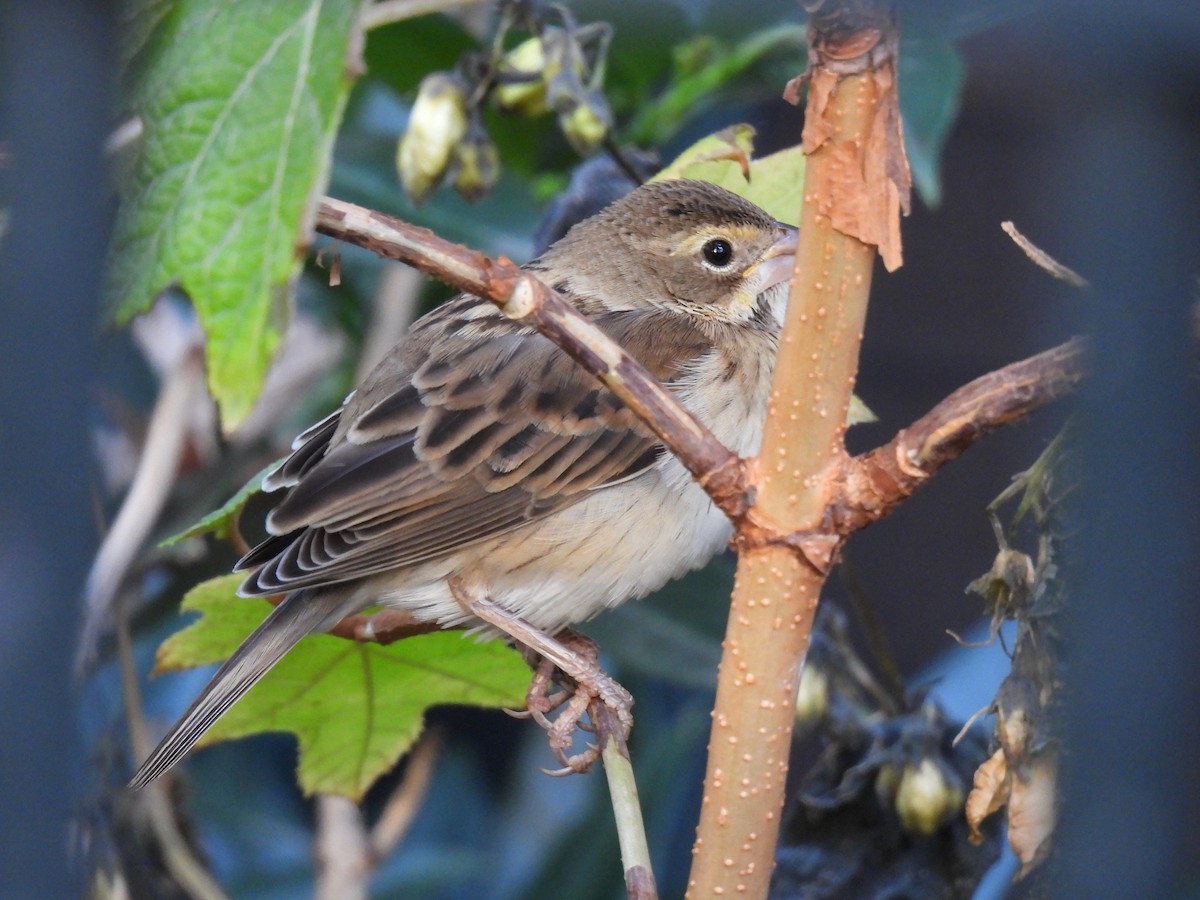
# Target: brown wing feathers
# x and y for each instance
(433, 454)
(307, 451)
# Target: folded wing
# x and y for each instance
(473, 427)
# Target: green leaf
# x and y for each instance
(214, 637)
(932, 76)
(355, 708)
(702, 68)
(776, 184)
(220, 521)
(734, 143)
(238, 104)
(776, 181)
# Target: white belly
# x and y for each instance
(617, 544)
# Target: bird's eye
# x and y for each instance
(718, 252)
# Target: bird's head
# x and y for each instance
(687, 246)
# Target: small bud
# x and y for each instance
(524, 91)
(476, 163)
(812, 695)
(436, 123)
(926, 798)
(587, 124)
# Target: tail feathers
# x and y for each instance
(300, 614)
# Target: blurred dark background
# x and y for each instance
(1079, 122)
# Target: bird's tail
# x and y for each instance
(300, 614)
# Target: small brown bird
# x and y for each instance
(477, 453)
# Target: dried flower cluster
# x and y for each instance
(1028, 589)
(559, 69)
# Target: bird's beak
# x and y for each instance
(776, 264)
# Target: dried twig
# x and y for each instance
(394, 307)
(347, 853)
(1043, 259)
(170, 424)
(404, 803)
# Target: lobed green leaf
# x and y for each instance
(238, 105)
(355, 708)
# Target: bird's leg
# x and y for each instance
(570, 653)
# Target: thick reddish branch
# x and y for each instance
(874, 484)
(868, 487)
(850, 205)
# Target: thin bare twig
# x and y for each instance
(394, 307)
(401, 808)
(183, 388)
(1042, 259)
(387, 12)
(347, 854)
(627, 810)
(341, 849)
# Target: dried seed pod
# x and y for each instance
(928, 795)
(476, 163)
(436, 124)
(563, 69)
(812, 694)
(587, 123)
(521, 87)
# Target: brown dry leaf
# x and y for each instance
(989, 792)
(1032, 810)
(1030, 793)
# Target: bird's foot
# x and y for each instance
(580, 688)
(568, 660)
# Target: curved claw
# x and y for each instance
(582, 684)
(540, 717)
(579, 764)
